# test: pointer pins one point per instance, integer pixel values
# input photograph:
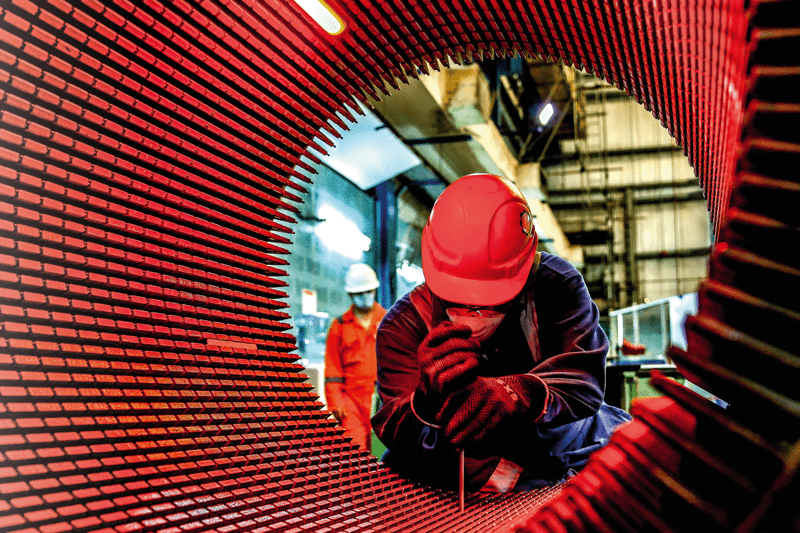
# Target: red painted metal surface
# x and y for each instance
(149, 164)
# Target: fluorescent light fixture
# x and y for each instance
(340, 234)
(546, 113)
(322, 15)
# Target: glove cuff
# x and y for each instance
(546, 398)
(413, 410)
(526, 391)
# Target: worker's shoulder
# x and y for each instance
(345, 317)
(555, 269)
(404, 310)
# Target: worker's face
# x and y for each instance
(363, 300)
(483, 321)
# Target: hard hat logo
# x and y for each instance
(526, 222)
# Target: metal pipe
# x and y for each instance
(630, 152)
(461, 481)
(386, 235)
(668, 185)
(597, 259)
(595, 203)
(439, 140)
(631, 268)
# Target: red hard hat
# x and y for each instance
(479, 244)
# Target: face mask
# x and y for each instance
(482, 323)
(363, 302)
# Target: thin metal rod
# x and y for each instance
(461, 481)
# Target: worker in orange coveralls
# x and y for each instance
(350, 363)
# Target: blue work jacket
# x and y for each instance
(551, 330)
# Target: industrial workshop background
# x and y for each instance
(157, 163)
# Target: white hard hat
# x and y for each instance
(360, 278)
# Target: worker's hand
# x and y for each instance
(446, 358)
(339, 414)
(473, 413)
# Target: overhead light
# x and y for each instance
(546, 113)
(340, 234)
(322, 15)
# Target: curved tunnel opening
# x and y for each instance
(125, 135)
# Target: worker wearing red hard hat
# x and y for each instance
(498, 353)
(350, 367)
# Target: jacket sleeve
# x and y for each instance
(417, 451)
(397, 340)
(334, 367)
(574, 350)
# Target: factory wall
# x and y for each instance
(625, 147)
(319, 263)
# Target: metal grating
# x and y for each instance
(149, 158)
(685, 464)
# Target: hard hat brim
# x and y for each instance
(480, 292)
(362, 288)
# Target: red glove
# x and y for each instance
(470, 414)
(446, 358)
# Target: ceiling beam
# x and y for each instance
(605, 94)
(600, 204)
(438, 140)
(671, 254)
(628, 152)
(592, 259)
(619, 188)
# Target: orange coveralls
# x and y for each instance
(351, 371)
